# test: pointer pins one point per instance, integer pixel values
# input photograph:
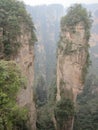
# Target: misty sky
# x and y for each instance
(64, 2)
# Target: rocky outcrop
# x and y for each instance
(73, 58)
(25, 60)
(17, 38)
(71, 61)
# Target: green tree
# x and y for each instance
(11, 81)
(64, 111)
(40, 91)
(87, 108)
(75, 15)
(12, 15)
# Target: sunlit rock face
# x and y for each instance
(71, 61)
(25, 60)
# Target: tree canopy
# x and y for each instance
(11, 80)
(86, 117)
(76, 14)
(12, 15)
(64, 111)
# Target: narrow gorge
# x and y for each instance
(45, 79)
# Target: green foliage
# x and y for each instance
(52, 93)
(45, 112)
(75, 15)
(66, 93)
(86, 66)
(68, 48)
(10, 78)
(64, 111)
(40, 91)
(87, 108)
(44, 119)
(19, 118)
(12, 15)
(11, 81)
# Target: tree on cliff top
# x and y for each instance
(12, 15)
(76, 14)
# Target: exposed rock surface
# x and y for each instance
(71, 60)
(73, 56)
(25, 59)
(17, 38)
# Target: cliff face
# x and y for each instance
(17, 40)
(73, 56)
(47, 19)
(25, 59)
(71, 61)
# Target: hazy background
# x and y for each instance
(63, 2)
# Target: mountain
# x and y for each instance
(72, 62)
(47, 23)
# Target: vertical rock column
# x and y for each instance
(73, 56)
(25, 60)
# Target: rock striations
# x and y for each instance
(73, 56)
(17, 40)
(25, 59)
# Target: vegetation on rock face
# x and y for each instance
(40, 92)
(13, 20)
(11, 116)
(12, 15)
(44, 118)
(45, 109)
(77, 14)
(71, 45)
(86, 117)
(64, 111)
(86, 66)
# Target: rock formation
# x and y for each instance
(71, 60)
(17, 40)
(25, 60)
(73, 57)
